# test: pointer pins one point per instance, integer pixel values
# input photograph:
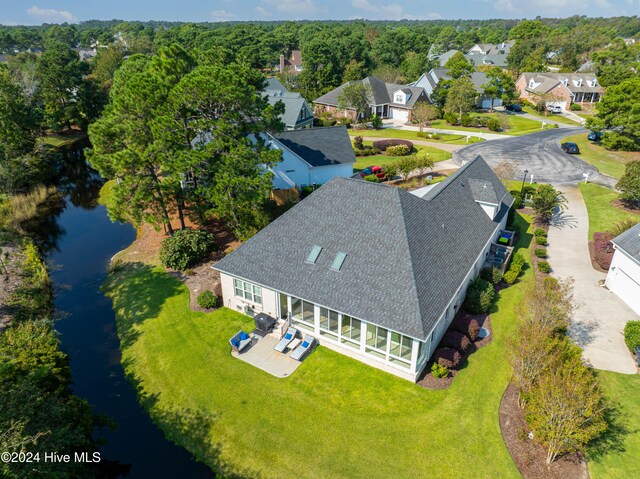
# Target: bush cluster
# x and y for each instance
(632, 334)
(494, 124)
(206, 299)
(622, 226)
(517, 262)
(449, 358)
(455, 340)
(468, 327)
(451, 118)
(439, 371)
(603, 249)
(479, 296)
(540, 232)
(358, 143)
(541, 240)
(372, 179)
(575, 107)
(398, 150)
(382, 145)
(366, 151)
(540, 252)
(492, 275)
(544, 267)
(186, 248)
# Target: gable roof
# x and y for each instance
(293, 102)
(629, 242)
(547, 81)
(425, 247)
(319, 146)
(380, 93)
(477, 78)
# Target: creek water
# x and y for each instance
(79, 240)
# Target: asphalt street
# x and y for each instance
(540, 154)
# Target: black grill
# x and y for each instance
(264, 322)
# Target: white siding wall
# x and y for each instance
(489, 209)
(230, 300)
(623, 279)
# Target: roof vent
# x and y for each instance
(338, 261)
(313, 254)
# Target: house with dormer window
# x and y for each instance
(561, 89)
(386, 100)
(318, 266)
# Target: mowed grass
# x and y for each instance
(602, 214)
(59, 141)
(617, 455)
(518, 125)
(334, 417)
(551, 117)
(413, 135)
(383, 160)
(609, 162)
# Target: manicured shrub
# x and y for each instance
(518, 260)
(467, 326)
(186, 248)
(540, 252)
(376, 122)
(206, 299)
(541, 240)
(449, 358)
(451, 118)
(603, 249)
(632, 334)
(479, 296)
(493, 124)
(466, 120)
(398, 150)
(366, 151)
(575, 107)
(492, 275)
(540, 232)
(358, 143)
(372, 178)
(511, 276)
(455, 340)
(544, 267)
(382, 145)
(439, 371)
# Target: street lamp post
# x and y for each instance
(526, 172)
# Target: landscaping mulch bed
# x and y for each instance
(592, 255)
(426, 379)
(531, 458)
(621, 206)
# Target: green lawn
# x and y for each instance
(383, 160)
(334, 417)
(59, 141)
(518, 125)
(413, 135)
(556, 118)
(602, 214)
(610, 163)
(617, 455)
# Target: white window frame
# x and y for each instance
(250, 292)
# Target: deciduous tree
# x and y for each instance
(355, 97)
(461, 96)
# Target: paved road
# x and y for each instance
(599, 316)
(540, 154)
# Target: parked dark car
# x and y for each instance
(514, 108)
(570, 147)
(595, 136)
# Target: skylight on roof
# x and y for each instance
(337, 261)
(314, 253)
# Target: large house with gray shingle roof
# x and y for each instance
(373, 271)
(429, 81)
(561, 89)
(297, 112)
(386, 100)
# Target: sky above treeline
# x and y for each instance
(19, 12)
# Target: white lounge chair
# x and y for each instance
(289, 336)
(304, 348)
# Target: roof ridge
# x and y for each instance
(449, 181)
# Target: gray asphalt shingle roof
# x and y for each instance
(380, 93)
(477, 78)
(406, 256)
(294, 103)
(629, 242)
(319, 146)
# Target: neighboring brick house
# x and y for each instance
(293, 64)
(561, 89)
(386, 100)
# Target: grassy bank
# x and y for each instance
(334, 417)
(602, 214)
(436, 154)
(518, 125)
(413, 135)
(550, 117)
(609, 162)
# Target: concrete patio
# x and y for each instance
(262, 355)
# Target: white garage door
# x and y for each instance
(400, 114)
(627, 289)
(562, 104)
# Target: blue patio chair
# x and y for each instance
(304, 348)
(289, 336)
(239, 341)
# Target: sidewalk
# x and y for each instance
(599, 315)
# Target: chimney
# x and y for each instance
(281, 63)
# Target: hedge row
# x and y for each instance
(382, 145)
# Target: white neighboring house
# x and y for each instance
(371, 270)
(429, 81)
(312, 156)
(623, 277)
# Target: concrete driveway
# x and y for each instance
(540, 154)
(600, 316)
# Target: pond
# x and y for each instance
(79, 240)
